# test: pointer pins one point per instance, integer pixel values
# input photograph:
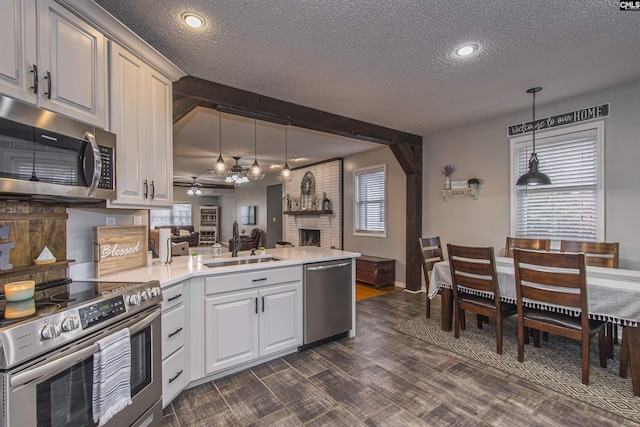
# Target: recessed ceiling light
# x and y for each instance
(193, 20)
(466, 50)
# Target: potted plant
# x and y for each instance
(473, 182)
(263, 250)
(447, 170)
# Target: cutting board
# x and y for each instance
(120, 248)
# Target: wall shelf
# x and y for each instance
(460, 192)
(321, 212)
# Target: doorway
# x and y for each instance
(274, 215)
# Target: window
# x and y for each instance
(369, 197)
(179, 215)
(572, 207)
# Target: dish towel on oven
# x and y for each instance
(111, 376)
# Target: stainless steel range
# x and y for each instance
(47, 346)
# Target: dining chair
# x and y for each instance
(557, 279)
(475, 287)
(523, 243)
(598, 254)
(430, 253)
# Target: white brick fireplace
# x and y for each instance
(328, 180)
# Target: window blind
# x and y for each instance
(568, 208)
(370, 200)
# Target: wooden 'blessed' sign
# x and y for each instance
(119, 248)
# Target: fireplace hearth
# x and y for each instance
(309, 237)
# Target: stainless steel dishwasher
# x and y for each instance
(328, 300)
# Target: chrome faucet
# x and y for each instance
(235, 239)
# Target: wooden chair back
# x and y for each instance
(539, 278)
(522, 243)
(430, 253)
(598, 254)
(473, 268)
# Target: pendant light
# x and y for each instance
(533, 175)
(256, 171)
(220, 168)
(285, 174)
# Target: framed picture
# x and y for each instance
(459, 184)
(248, 215)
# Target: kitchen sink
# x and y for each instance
(239, 261)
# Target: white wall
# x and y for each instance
(393, 245)
(482, 150)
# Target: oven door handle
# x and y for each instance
(75, 357)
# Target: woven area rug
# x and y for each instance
(555, 365)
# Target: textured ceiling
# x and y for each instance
(391, 62)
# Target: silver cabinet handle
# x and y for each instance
(328, 267)
(34, 70)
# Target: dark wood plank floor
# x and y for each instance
(379, 378)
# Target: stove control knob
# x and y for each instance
(134, 299)
(144, 295)
(70, 323)
(50, 331)
(155, 291)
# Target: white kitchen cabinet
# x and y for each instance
(255, 322)
(141, 117)
(174, 333)
(53, 59)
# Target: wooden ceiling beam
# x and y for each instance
(297, 115)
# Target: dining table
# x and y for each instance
(613, 295)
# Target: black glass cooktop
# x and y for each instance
(53, 297)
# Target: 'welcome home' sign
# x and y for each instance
(583, 115)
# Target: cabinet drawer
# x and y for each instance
(173, 331)
(172, 296)
(251, 279)
(174, 376)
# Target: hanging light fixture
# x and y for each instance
(220, 168)
(533, 175)
(237, 174)
(285, 174)
(195, 188)
(256, 171)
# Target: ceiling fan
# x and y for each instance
(194, 187)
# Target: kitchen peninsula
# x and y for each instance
(222, 315)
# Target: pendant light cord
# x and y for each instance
(220, 130)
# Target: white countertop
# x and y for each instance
(184, 267)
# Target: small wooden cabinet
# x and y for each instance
(375, 270)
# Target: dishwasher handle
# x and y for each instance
(328, 267)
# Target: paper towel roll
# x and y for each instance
(165, 244)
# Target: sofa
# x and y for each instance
(183, 233)
(252, 241)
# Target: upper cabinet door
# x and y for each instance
(159, 138)
(71, 64)
(128, 121)
(18, 69)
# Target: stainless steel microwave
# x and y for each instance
(46, 155)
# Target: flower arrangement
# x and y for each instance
(447, 170)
